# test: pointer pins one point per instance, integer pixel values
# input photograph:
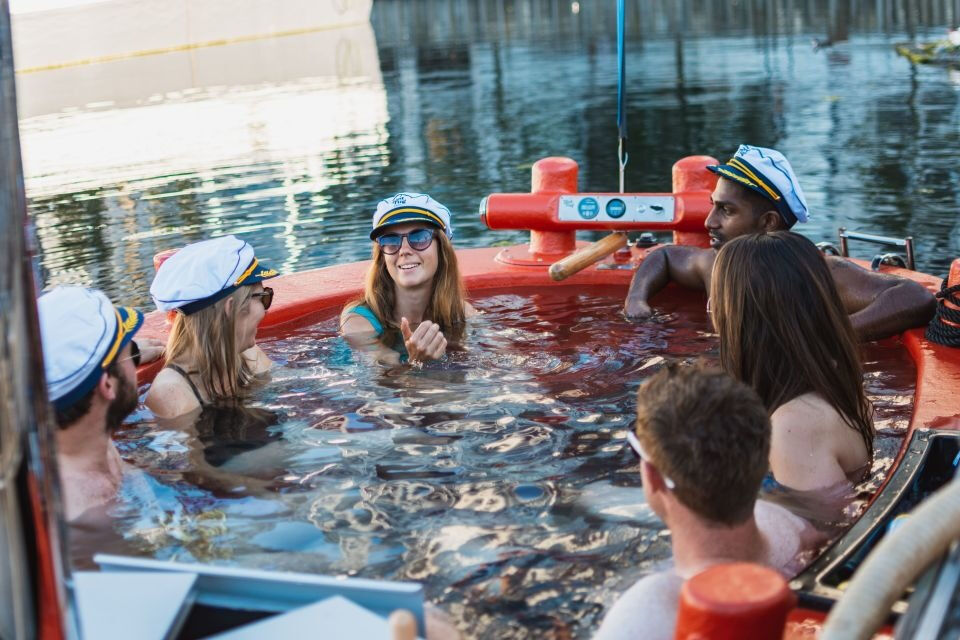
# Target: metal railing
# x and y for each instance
(888, 258)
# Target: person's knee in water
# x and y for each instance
(703, 440)
(90, 362)
(216, 290)
(758, 191)
(784, 332)
(414, 303)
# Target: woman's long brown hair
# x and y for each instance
(205, 343)
(783, 329)
(446, 300)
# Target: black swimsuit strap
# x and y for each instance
(186, 376)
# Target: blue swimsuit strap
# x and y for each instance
(365, 312)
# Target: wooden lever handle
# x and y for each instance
(587, 256)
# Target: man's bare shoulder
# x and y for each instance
(648, 609)
(846, 272)
(86, 494)
(686, 260)
(689, 252)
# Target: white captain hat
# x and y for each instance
(82, 334)
(204, 272)
(767, 172)
(410, 207)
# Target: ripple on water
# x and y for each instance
(498, 477)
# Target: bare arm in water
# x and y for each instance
(688, 266)
(425, 342)
(880, 305)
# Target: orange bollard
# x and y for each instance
(732, 602)
(690, 175)
(553, 175)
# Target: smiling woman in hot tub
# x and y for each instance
(413, 304)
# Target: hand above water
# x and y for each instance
(637, 309)
(150, 349)
(425, 343)
(403, 626)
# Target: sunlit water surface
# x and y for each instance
(499, 478)
(289, 142)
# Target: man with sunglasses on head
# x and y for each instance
(703, 440)
(90, 362)
(757, 191)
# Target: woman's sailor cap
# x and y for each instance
(409, 207)
(82, 334)
(204, 272)
(769, 173)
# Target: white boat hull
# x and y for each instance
(48, 34)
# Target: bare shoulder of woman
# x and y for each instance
(469, 310)
(809, 410)
(353, 324)
(170, 395)
(363, 338)
(803, 444)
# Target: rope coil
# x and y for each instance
(939, 330)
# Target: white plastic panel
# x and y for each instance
(142, 605)
(616, 208)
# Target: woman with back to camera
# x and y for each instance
(413, 304)
(783, 330)
(215, 287)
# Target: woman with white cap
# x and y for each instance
(413, 304)
(215, 287)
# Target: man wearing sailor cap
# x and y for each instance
(757, 191)
(90, 362)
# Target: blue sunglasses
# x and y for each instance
(419, 240)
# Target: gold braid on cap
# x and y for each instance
(736, 163)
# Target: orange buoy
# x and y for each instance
(732, 602)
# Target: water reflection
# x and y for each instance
(290, 141)
(500, 478)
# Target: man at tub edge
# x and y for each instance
(704, 439)
(90, 363)
(758, 191)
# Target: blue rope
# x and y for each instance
(621, 72)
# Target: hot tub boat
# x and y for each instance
(199, 599)
(553, 212)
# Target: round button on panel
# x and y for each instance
(588, 208)
(616, 208)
